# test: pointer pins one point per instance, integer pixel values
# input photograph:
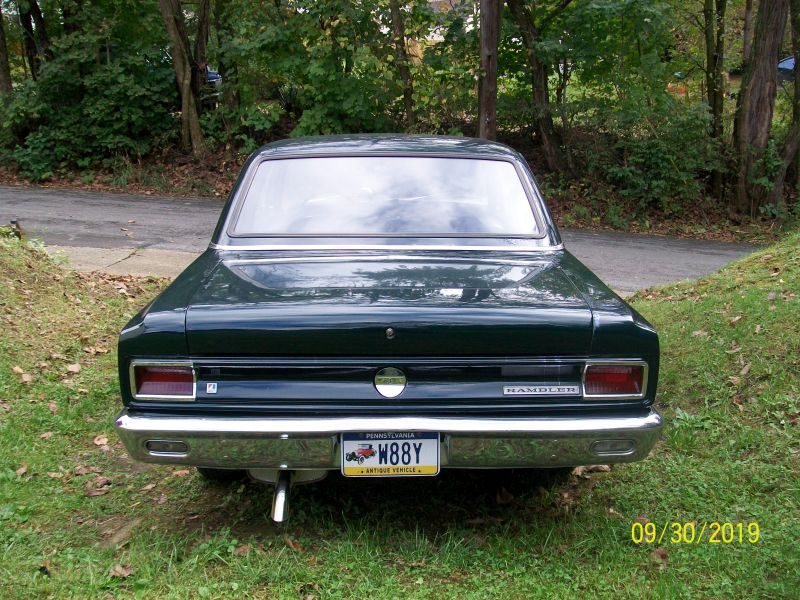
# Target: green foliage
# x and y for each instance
(656, 160)
(329, 66)
(248, 126)
(103, 94)
(446, 78)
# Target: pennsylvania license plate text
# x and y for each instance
(390, 454)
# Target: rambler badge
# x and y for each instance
(541, 390)
(390, 382)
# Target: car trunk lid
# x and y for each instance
(388, 306)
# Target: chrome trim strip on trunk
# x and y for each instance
(384, 247)
(322, 258)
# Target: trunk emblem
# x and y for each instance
(390, 382)
(541, 390)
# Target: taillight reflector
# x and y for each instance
(152, 380)
(613, 380)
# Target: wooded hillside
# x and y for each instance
(656, 107)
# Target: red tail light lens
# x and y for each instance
(614, 380)
(167, 381)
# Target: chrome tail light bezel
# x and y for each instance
(616, 363)
(161, 363)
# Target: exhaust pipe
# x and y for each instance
(281, 499)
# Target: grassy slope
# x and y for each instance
(729, 454)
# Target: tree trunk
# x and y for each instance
(401, 58)
(790, 156)
(5, 69)
(748, 32)
(714, 25)
(756, 103)
(200, 63)
(191, 135)
(490, 38)
(551, 144)
(564, 73)
(42, 39)
(29, 40)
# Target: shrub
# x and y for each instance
(86, 106)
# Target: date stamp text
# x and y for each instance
(691, 532)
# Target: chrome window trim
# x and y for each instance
(535, 201)
(322, 258)
(615, 362)
(161, 363)
(385, 247)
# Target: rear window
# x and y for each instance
(386, 195)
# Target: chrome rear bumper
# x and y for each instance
(292, 443)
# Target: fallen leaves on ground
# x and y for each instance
(84, 470)
(100, 440)
(22, 470)
(98, 486)
(46, 435)
(242, 550)
(598, 468)
(181, 473)
(95, 350)
(74, 368)
(584, 471)
(24, 377)
(503, 496)
(120, 571)
(745, 369)
(658, 557)
(293, 545)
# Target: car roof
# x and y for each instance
(388, 144)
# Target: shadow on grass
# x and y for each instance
(454, 500)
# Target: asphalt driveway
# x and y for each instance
(152, 235)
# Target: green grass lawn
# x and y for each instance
(78, 518)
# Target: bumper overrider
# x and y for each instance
(313, 443)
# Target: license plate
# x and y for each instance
(390, 454)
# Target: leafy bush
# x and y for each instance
(657, 160)
(248, 126)
(82, 109)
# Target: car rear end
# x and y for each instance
(386, 306)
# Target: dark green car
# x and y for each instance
(386, 306)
